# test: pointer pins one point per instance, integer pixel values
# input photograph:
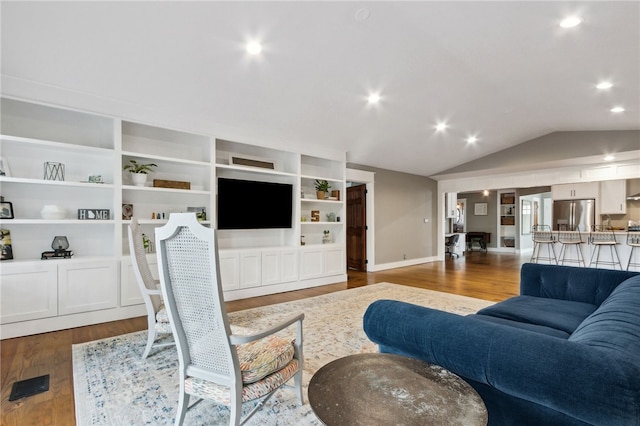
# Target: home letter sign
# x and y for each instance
(94, 214)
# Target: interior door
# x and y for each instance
(357, 228)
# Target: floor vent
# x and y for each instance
(29, 387)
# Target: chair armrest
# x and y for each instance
(236, 339)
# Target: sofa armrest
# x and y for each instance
(580, 381)
(587, 285)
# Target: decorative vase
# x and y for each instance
(139, 179)
(52, 211)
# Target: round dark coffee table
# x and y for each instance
(385, 389)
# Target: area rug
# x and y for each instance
(113, 386)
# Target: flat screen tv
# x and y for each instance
(248, 204)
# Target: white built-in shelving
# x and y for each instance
(97, 284)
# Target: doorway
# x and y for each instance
(357, 227)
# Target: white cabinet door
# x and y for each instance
(311, 263)
(575, 191)
(87, 286)
(613, 197)
(28, 291)
(587, 190)
(279, 266)
(250, 269)
(334, 259)
(271, 267)
(451, 204)
(129, 287)
(289, 262)
(229, 270)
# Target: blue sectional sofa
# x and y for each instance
(564, 352)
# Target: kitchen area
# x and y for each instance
(506, 217)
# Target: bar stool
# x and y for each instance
(633, 241)
(603, 236)
(543, 237)
(569, 237)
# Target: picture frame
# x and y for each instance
(4, 167)
(480, 209)
(6, 210)
(201, 212)
(6, 252)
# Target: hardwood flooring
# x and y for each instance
(490, 276)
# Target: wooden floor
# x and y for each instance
(489, 276)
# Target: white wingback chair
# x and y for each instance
(214, 363)
(157, 319)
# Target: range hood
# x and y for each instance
(634, 196)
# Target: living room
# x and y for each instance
(129, 72)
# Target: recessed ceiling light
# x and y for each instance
(617, 109)
(603, 85)
(441, 127)
(254, 48)
(609, 158)
(571, 21)
(373, 98)
(472, 139)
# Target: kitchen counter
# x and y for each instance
(587, 249)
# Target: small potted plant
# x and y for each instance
(322, 187)
(326, 237)
(139, 171)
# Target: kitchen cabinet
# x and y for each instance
(451, 204)
(613, 197)
(575, 191)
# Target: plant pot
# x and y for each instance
(139, 179)
(320, 195)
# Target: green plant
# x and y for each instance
(325, 232)
(322, 185)
(135, 167)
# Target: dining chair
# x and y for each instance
(215, 364)
(157, 319)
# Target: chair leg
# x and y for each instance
(297, 380)
(183, 404)
(151, 337)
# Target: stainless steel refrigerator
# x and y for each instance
(567, 214)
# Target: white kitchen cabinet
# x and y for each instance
(613, 197)
(28, 291)
(575, 191)
(451, 204)
(87, 286)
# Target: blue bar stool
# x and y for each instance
(603, 236)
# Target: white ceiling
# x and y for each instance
(504, 71)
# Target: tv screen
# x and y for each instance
(247, 204)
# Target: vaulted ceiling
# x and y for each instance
(504, 72)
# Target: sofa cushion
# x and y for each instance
(616, 323)
(522, 325)
(564, 315)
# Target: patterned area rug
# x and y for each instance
(113, 386)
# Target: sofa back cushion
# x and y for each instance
(615, 325)
(587, 285)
